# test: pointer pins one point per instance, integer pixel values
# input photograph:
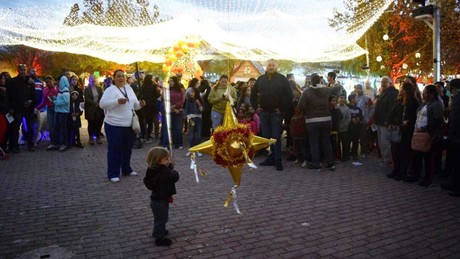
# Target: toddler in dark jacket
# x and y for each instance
(160, 178)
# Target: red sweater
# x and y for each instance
(48, 95)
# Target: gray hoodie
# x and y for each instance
(346, 118)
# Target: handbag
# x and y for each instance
(394, 134)
(136, 125)
(421, 141)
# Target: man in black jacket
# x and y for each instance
(271, 96)
(21, 101)
(383, 107)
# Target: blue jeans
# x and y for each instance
(194, 132)
(319, 133)
(216, 119)
(177, 123)
(160, 209)
(50, 117)
(60, 126)
(271, 125)
(120, 142)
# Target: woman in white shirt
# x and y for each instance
(119, 102)
(429, 119)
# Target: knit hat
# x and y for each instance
(75, 92)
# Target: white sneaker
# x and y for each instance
(115, 180)
(199, 154)
(181, 147)
(296, 162)
(148, 141)
(51, 147)
(133, 173)
(304, 164)
(187, 154)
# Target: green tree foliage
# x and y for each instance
(450, 37)
(406, 36)
(20, 54)
(120, 13)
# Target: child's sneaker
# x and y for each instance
(296, 162)
(163, 242)
(304, 164)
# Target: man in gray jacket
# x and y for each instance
(314, 103)
(383, 107)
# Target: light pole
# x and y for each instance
(430, 14)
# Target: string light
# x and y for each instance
(294, 30)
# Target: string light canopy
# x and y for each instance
(116, 30)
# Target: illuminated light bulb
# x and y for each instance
(379, 59)
(237, 29)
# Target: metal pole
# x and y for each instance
(436, 42)
(367, 57)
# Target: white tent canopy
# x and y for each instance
(240, 29)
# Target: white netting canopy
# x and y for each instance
(294, 30)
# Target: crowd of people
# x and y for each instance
(324, 124)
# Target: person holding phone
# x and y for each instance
(220, 94)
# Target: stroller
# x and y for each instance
(3, 130)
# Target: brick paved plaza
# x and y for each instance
(61, 205)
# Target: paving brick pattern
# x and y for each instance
(64, 200)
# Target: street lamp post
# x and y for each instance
(431, 16)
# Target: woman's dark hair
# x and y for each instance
(413, 80)
(193, 82)
(409, 90)
(223, 76)
(176, 86)
(116, 71)
(197, 94)
(148, 81)
(431, 89)
(332, 97)
(204, 84)
(78, 79)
